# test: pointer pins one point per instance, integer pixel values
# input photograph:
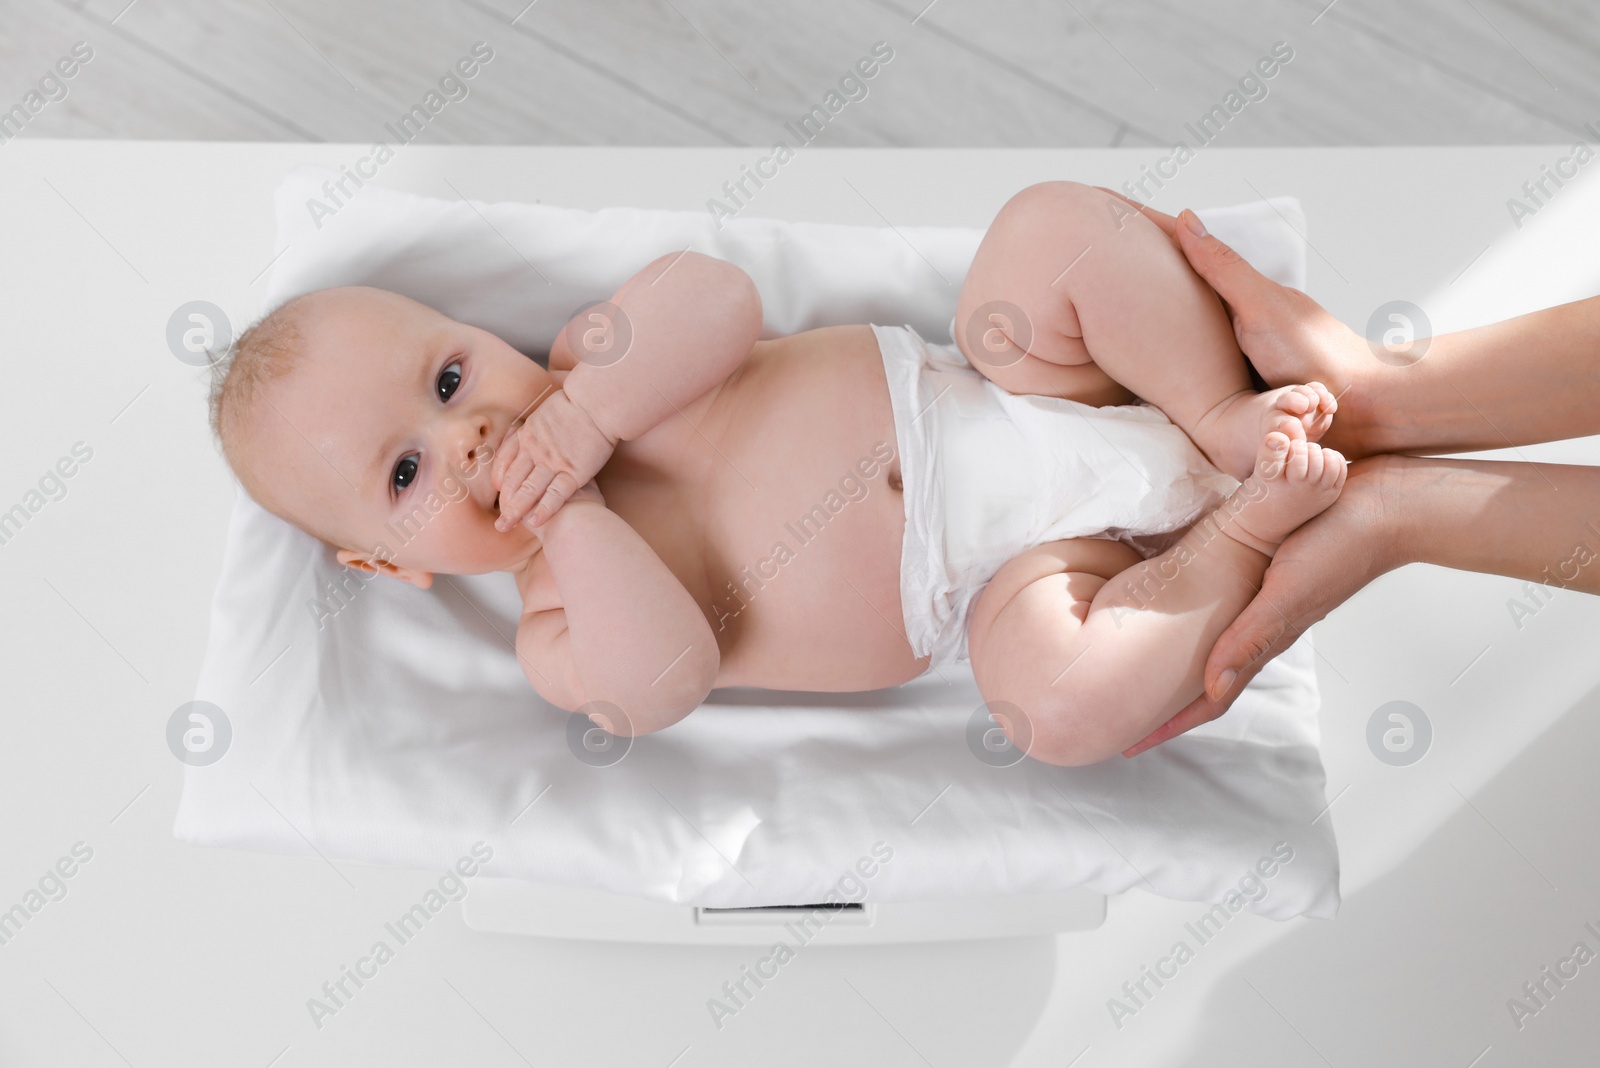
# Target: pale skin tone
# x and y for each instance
(1526, 380)
(640, 501)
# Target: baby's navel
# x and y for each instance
(894, 481)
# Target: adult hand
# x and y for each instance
(1315, 570)
(1288, 337)
(545, 461)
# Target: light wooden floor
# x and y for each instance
(732, 72)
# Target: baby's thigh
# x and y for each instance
(1015, 320)
(1024, 636)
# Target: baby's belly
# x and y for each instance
(805, 593)
(810, 598)
(799, 519)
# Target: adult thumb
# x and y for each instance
(1224, 270)
(1240, 652)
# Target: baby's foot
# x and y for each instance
(1231, 433)
(1293, 481)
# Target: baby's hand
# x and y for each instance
(542, 463)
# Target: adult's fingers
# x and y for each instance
(1268, 625)
(1205, 708)
(1201, 710)
(1167, 223)
(1224, 269)
(1236, 282)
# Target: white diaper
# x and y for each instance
(988, 474)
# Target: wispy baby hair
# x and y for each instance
(263, 352)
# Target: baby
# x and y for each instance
(685, 506)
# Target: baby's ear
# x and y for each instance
(373, 565)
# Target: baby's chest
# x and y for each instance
(775, 495)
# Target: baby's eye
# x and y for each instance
(404, 472)
(449, 379)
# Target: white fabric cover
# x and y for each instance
(401, 730)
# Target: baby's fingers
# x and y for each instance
(514, 474)
(529, 490)
(562, 487)
(510, 449)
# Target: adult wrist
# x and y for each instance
(1383, 405)
(1397, 487)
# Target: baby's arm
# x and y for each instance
(693, 319)
(684, 324)
(627, 632)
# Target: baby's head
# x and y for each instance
(370, 421)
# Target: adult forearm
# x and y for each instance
(637, 639)
(679, 327)
(1539, 522)
(1529, 379)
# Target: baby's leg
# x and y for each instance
(1081, 649)
(1068, 276)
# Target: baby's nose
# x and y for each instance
(481, 449)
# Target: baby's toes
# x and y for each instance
(1320, 419)
(1297, 465)
(1335, 468)
(1315, 407)
(1296, 400)
(1325, 398)
(1301, 405)
(1288, 424)
(1270, 457)
(1314, 463)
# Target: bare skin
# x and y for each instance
(641, 502)
(678, 513)
(1080, 643)
(1519, 382)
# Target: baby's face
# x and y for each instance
(385, 429)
